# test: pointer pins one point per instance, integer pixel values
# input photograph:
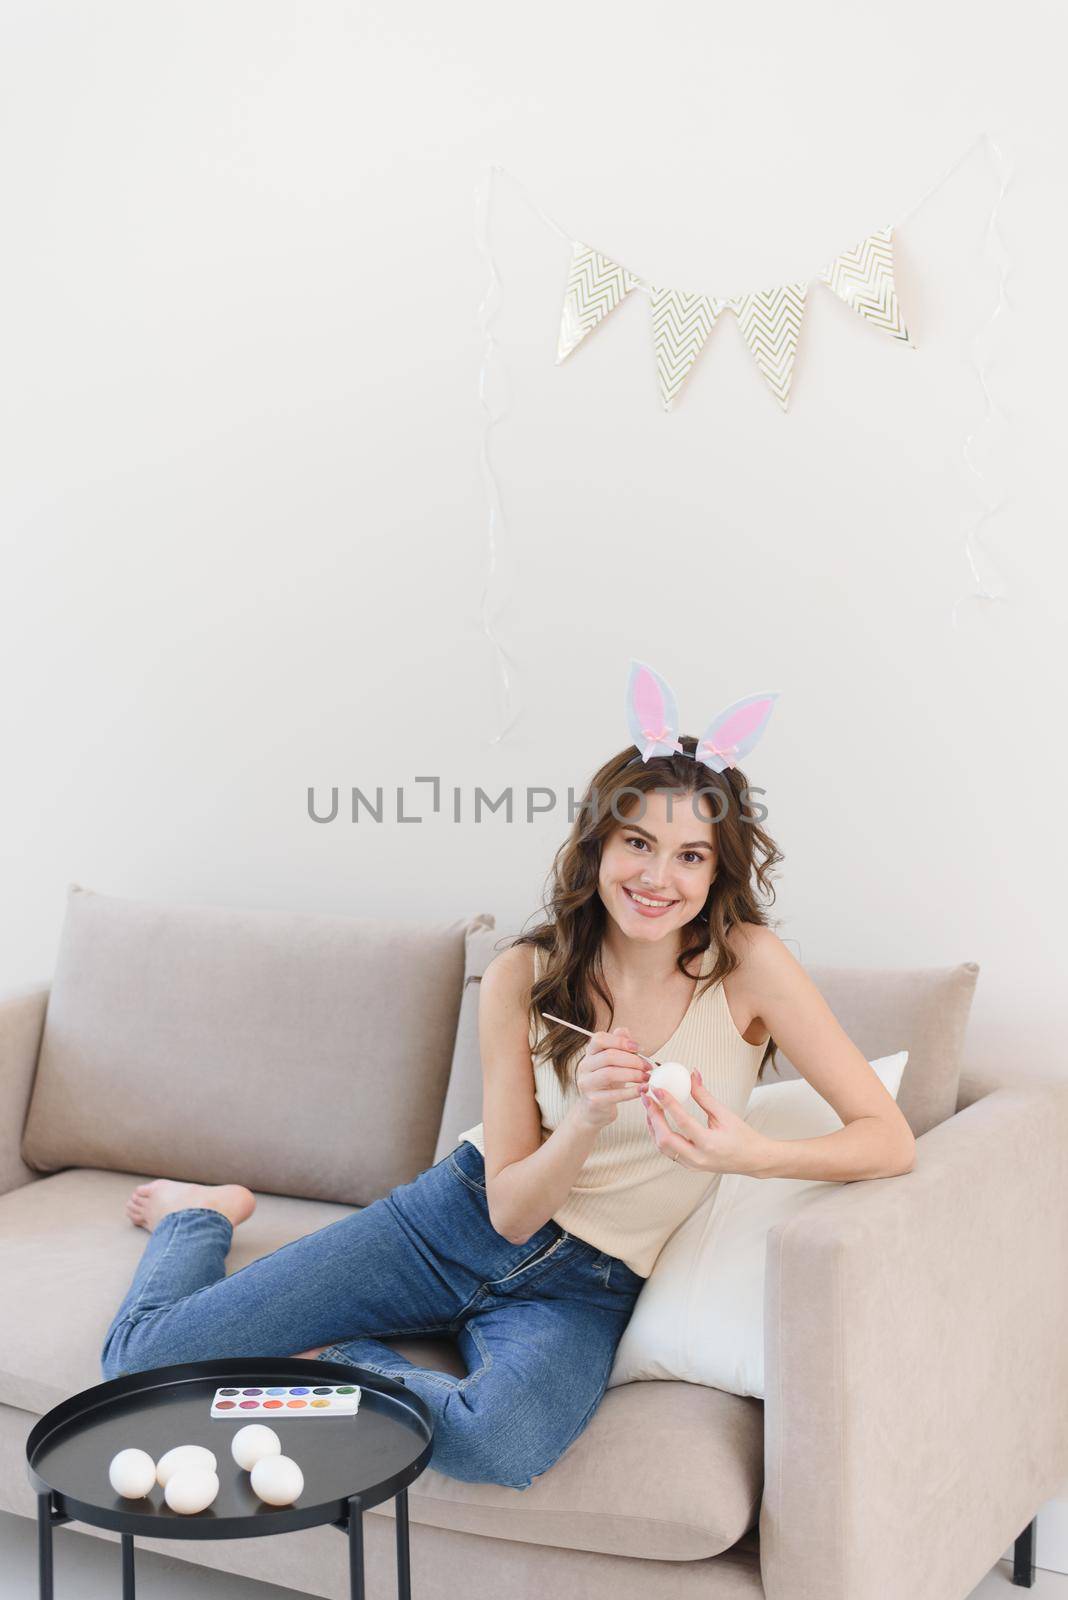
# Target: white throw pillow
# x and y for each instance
(700, 1316)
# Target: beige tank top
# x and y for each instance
(628, 1198)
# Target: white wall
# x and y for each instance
(244, 534)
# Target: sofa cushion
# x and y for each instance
(922, 1010)
(68, 1245)
(700, 1314)
(663, 1470)
(463, 1101)
(297, 1054)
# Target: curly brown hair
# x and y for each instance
(573, 914)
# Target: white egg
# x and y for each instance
(255, 1442)
(132, 1474)
(184, 1455)
(674, 1077)
(191, 1489)
(252, 1443)
(277, 1479)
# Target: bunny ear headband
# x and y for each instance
(653, 720)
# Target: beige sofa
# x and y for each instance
(917, 1404)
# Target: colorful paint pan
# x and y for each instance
(297, 1400)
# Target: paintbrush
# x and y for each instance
(576, 1029)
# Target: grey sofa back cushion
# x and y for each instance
(922, 1010)
(295, 1053)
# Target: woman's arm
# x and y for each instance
(774, 989)
(526, 1180)
(876, 1141)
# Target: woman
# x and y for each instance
(530, 1242)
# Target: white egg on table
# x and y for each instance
(674, 1077)
(184, 1455)
(191, 1489)
(277, 1480)
(132, 1474)
(250, 1444)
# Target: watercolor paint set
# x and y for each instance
(287, 1400)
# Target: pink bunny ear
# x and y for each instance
(652, 715)
(731, 735)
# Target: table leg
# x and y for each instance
(404, 1565)
(356, 1589)
(127, 1566)
(44, 1546)
(1023, 1557)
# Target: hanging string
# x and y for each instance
(949, 173)
(532, 203)
(487, 310)
(639, 283)
(646, 286)
(995, 247)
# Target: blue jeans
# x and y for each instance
(537, 1324)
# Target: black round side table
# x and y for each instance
(349, 1463)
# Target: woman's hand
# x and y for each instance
(609, 1072)
(726, 1144)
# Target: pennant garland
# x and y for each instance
(770, 319)
(681, 324)
(770, 322)
(595, 286)
(864, 279)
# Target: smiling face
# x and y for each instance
(656, 871)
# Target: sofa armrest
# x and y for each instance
(21, 1021)
(916, 1402)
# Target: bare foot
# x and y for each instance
(151, 1201)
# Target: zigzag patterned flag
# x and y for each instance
(864, 278)
(681, 324)
(770, 321)
(595, 286)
